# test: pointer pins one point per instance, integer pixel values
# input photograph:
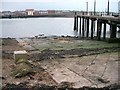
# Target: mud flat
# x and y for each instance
(62, 62)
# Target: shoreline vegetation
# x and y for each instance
(47, 49)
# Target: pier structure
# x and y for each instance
(82, 25)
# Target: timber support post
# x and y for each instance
(83, 27)
(87, 33)
(92, 24)
(75, 21)
(104, 32)
(80, 27)
(99, 27)
(113, 29)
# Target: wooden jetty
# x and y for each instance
(84, 22)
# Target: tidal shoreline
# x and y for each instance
(54, 16)
(48, 50)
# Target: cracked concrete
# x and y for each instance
(98, 70)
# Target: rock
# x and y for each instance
(22, 70)
(24, 83)
(12, 66)
(1, 77)
(31, 78)
(65, 85)
(17, 83)
(103, 80)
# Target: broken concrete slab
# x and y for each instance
(62, 74)
(94, 70)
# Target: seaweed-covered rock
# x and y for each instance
(22, 69)
(22, 61)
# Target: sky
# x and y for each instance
(101, 5)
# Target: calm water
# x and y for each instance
(34, 26)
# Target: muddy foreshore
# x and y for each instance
(60, 87)
(9, 45)
(54, 54)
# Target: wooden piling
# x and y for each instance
(87, 33)
(80, 27)
(83, 27)
(99, 27)
(94, 24)
(92, 28)
(75, 20)
(104, 31)
(77, 23)
(113, 29)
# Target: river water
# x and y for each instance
(30, 27)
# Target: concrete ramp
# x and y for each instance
(62, 74)
(95, 70)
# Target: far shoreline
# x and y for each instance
(40, 16)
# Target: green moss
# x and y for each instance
(76, 44)
(19, 57)
(22, 70)
(22, 61)
(113, 40)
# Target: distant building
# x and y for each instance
(119, 7)
(19, 13)
(1, 14)
(36, 12)
(51, 11)
(29, 11)
(6, 13)
(58, 12)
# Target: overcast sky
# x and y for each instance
(101, 5)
